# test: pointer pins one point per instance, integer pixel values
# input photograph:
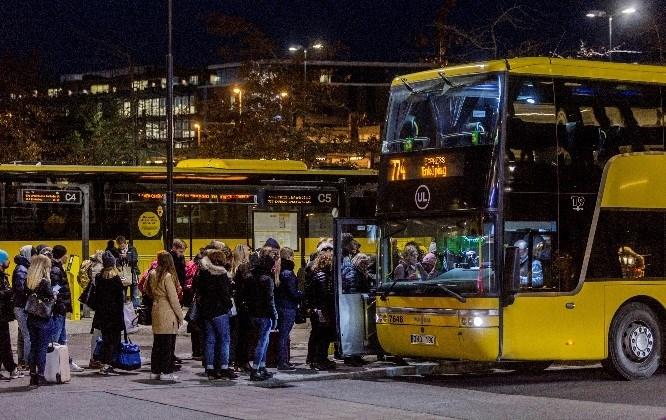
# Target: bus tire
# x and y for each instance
(634, 343)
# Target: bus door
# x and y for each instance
(356, 245)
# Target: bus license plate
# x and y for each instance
(423, 339)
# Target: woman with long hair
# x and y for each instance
(214, 288)
(109, 315)
(240, 324)
(167, 317)
(38, 282)
(323, 312)
(287, 299)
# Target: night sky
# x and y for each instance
(83, 35)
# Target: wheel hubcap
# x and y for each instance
(638, 341)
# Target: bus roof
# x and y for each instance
(545, 66)
(193, 166)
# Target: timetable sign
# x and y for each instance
(30, 196)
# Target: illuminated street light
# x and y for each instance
(296, 48)
(283, 94)
(603, 13)
(197, 126)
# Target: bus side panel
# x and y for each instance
(619, 292)
(556, 327)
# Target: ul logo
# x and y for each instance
(422, 197)
(577, 202)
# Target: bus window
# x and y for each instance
(535, 242)
(628, 244)
(443, 113)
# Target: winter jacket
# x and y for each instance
(130, 259)
(6, 299)
(259, 293)
(213, 288)
(43, 290)
(110, 300)
(179, 263)
(64, 299)
(287, 295)
(167, 313)
(19, 277)
(323, 293)
(355, 281)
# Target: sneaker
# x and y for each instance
(257, 376)
(154, 376)
(3, 377)
(265, 373)
(16, 373)
(73, 367)
(286, 368)
(227, 374)
(178, 360)
(108, 371)
(94, 364)
(212, 375)
(168, 377)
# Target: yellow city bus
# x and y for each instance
(238, 201)
(521, 214)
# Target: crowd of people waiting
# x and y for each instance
(235, 299)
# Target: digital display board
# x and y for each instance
(424, 167)
(43, 196)
(308, 198)
(200, 197)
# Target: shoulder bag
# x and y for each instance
(41, 308)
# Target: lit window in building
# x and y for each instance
(194, 80)
(139, 85)
(54, 92)
(214, 79)
(183, 105)
(126, 109)
(97, 89)
(156, 130)
(325, 78)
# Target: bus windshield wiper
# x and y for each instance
(450, 292)
(389, 290)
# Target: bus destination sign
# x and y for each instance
(29, 196)
(200, 197)
(307, 198)
(424, 167)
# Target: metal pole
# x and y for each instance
(85, 222)
(610, 38)
(170, 213)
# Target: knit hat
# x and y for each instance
(41, 247)
(430, 259)
(108, 260)
(27, 251)
(324, 246)
(48, 251)
(4, 257)
(59, 251)
(272, 243)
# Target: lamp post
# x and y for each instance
(296, 48)
(239, 92)
(601, 14)
(170, 213)
(197, 126)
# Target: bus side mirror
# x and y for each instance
(510, 275)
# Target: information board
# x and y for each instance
(45, 196)
(281, 226)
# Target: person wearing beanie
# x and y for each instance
(20, 291)
(272, 243)
(325, 247)
(109, 317)
(60, 286)
(6, 316)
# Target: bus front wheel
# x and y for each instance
(634, 343)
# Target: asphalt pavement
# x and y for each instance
(379, 390)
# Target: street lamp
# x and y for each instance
(296, 48)
(198, 128)
(239, 92)
(601, 14)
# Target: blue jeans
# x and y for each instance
(263, 326)
(218, 340)
(286, 318)
(41, 332)
(59, 331)
(22, 320)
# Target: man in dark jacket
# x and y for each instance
(6, 316)
(129, 257)
(178, 253)
(19, 276)
(287, 299)
(60, 286)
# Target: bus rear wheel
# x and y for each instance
(634, 343)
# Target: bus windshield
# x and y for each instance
(444, 113)
(436, 255)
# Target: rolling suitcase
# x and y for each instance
(57, 364)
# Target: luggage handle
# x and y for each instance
(127, 339)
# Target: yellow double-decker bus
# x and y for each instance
(521, 214)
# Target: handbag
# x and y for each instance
(192, 314)
(88, 296)
(131, 318)
(38, 307)
(129, 355)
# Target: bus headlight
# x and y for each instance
(477, 321)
